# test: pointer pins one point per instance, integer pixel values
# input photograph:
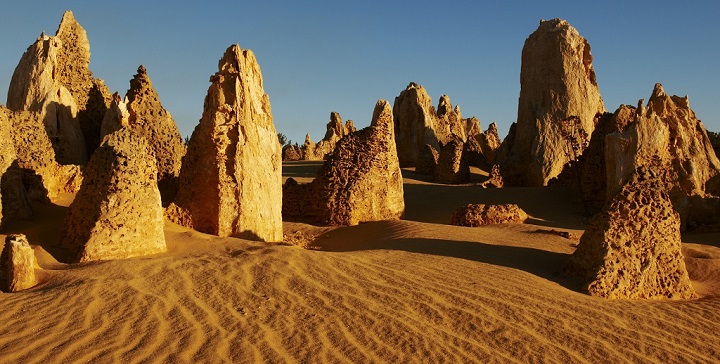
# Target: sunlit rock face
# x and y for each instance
(118, 212)
(230, 183)
(559, 98)
(632, 248)
(668, 129)
(53, 78)
(361, 181)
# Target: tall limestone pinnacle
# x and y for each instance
(559, 98)
(147, 115)
(230, 183)
(53, 78)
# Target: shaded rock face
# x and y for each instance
(150, 119)
(452, 167)
(559, 98)
(489, 143)
(53, 78)
(360, 182)
(427, 160)
(230, 183)
(480, 214)
(116, 117)
(17, 264)
(117, 213)
(592, 169)
(13, 195)
(335, 131)
(42, 176)
(632, 248)
(667, 129)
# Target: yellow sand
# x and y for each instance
(406, 291)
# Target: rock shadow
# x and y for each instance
(301, 168)
(541, 263)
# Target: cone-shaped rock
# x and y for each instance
(151, 120)
(359, 182)
(17, 264)
(632, 248)
(230, 183)
(559, 98)
(117, 213)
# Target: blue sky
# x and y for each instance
(323, 56)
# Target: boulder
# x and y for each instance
(150, 119)
(632, 248)
(668, 129)
(481, 214)
(118, 212)
(17, 264)
(230, 183)
(452, 167)
(361, 181)
(559, 98)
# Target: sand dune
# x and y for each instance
(413, 290)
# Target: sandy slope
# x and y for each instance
(403, 291)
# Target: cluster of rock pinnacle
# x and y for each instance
(645, 172)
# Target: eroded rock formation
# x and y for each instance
(559, 98)
(14, 201)
(452, 166)
(42, 176)
(150, 119)
(480, 214)
(54, 79)
(666, 128)
(17, 264)
(335, 131)
(489, 143)
(116, 117)
(632, 248)
(118, 212)
(230, 183)
(361, 181)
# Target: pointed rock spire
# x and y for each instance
(230, 183)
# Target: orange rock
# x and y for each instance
(230, 183)
(481, 214)
(559, 98)
(118, 212)
(632, 248)
(17, 264)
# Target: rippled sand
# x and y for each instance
(414, 290)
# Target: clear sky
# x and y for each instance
(323, 56)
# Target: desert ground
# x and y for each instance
(404, 291)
